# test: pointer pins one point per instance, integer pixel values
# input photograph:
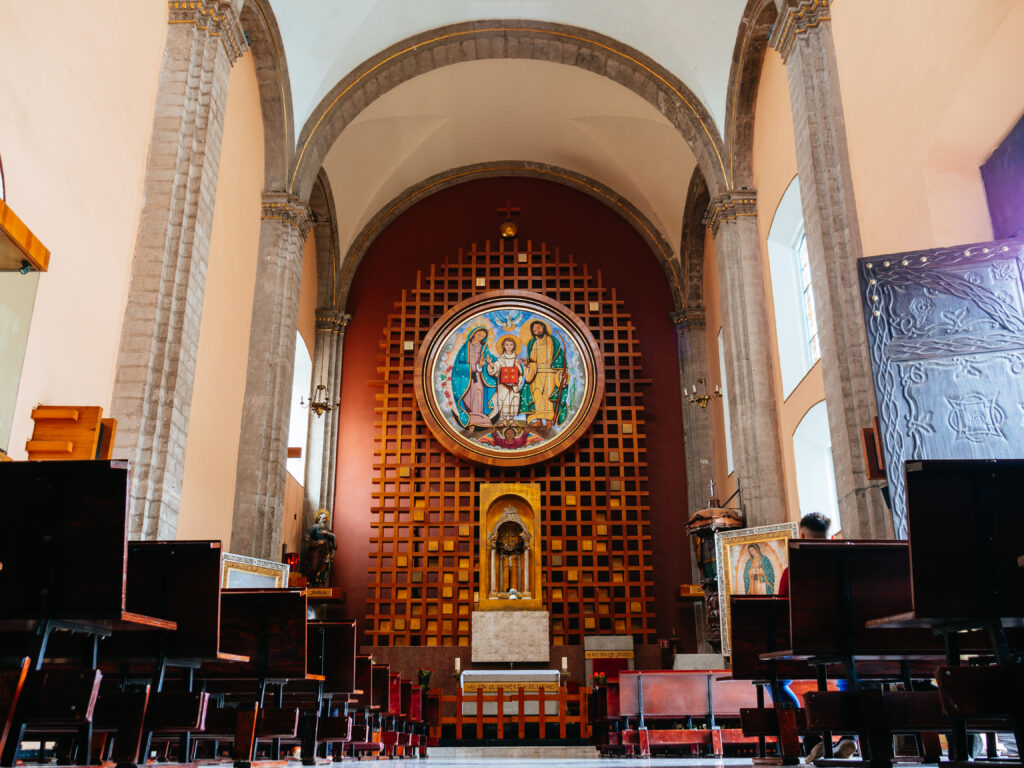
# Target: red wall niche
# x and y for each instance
(594, 234)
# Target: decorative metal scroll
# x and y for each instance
(946, 335)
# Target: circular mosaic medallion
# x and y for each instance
(509, 378)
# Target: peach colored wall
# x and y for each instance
(773, 171)
(78, 94)
(917, 139)
(307, 294)
(211, 454)
(725, 482)
(291, 528)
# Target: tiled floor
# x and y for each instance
(597, 762)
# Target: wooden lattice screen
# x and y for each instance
(597, 573)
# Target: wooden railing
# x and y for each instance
(572, 710)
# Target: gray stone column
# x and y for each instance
(699, 445)
(748, 369)
(157, 354)
(803, 35)
(322, 438)
(263, 442)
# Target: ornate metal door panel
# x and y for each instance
(946, 333)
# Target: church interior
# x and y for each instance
(430, 377)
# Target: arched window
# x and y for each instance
(815, 474)
(796, 326)
(298, 423)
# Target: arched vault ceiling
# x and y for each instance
(507, 109)
(324, 40)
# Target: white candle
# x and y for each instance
(458, 664)
(565, 663)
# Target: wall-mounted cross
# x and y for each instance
(508, 209)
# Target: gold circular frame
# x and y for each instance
(442, 340)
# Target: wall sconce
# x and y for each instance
(705, 397)
(319, 403)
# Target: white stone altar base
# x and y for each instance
(510, 680)
(511, 636)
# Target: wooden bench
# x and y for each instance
(180, 580)
(966, 540)
(670, 698)
(54, 605)
(836, 589)
(268, 626)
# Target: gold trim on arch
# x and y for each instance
(421, 44)
(382, 217)
(280, 79)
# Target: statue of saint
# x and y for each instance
(318, 552)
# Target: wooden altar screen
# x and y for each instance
(594, 502)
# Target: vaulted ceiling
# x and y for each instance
(509, 109)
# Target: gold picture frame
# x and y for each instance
(241, 572)
(750, 561)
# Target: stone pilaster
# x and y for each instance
(263, 442)
(691, 340)
(748, 369)
(157, 354)
(322, 438)
(803, 35)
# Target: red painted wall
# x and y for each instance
(597, 236)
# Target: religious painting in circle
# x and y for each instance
(509, 378)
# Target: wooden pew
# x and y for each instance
(13, 673)
(53, 512)
(324, 718)
(367, 704)
(966, 538)
(180, 580)
(268, 626)
(668, 698)
(836, 588)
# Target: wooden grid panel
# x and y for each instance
(595, 540)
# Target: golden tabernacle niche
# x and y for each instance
(510, 563)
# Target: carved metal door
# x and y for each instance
(946, 334)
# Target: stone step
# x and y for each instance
(556, 752)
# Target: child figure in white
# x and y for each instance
(508, 370)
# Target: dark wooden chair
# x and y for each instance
(966, 540)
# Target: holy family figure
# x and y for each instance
(493, 387)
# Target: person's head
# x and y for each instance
(814, 525)
(508, 346)
(754, 550)
(479, 335)
(321, 518)
(538, 329)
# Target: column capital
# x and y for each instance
(729, 206)
(796, 18)
(289, 209)
(332, 320)
(689, 318)
(217, 17)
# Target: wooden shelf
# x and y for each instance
(18, 245)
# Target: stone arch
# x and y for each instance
(655, 240)
(260, 26)
(328, 246)
(747, 59)
(691, 248)
(493, 39)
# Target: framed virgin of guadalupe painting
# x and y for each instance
(509, 378)
(750, 561)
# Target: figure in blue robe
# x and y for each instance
(472, 386)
